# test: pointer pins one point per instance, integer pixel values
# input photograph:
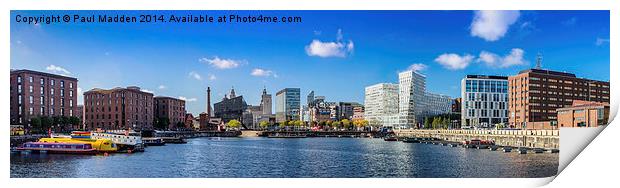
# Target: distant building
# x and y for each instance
(171, 108)
(358, 113)
(381, 104)
(118, 108)
(191, 122)
(485, 101)
(35, 94)
(230, 108)
(345, 110)
(536, 94)
(252, 116)
(287, 104)
(584, 114)
(456, 105)
(265, 103)
(415, 103)
(79, 112)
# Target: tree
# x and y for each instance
(346, 123)
(233, 124)
(335, 124)
(75, 122)
(162, 123)
(427, 123)
(436, 122)
(264, 124)
(446, 122)
(46, 122)
(35, 122)
(180, 125)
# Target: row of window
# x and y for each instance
(42, 81)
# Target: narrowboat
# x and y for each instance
(58, 148)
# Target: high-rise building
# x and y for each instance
(287, 104)
(265, 102)
(381, 104)
(485, 101)
(118, 108)
(536, 94)
(412, 88)
(415, 103)
(230, 108)
(35, 94)
(171, 108)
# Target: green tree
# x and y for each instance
(162, 123)
(35, 122)
(264, 124)
(346, 123)
(446, 122)
(335, 124)
(75, 121)
(233, 124)
(427, 123)
(436, 122)
(46, 122)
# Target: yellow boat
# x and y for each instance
(102, 145)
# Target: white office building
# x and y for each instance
(411, 96)
(485, 101)
(381, 104)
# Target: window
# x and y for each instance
(19, 79)
(42, 90)
(62, 83)
(71, 85)
(19, 99)
(19, 88)
(30, 89)
(62, 92)
(52, 82)
(42, 81)
(31, 79)
(71, 93)
(42, 100)
(31, 99)
(30, 110)
(70, 102)
(51, 91)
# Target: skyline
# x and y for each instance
(333, 57)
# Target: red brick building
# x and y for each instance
(118, 108)
(584, 114)
(36, 94)
(171, 108)
(535, 94)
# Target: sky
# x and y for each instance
(335, 53)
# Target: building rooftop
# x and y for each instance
(17, 71)
(549, 72)
(488, 77)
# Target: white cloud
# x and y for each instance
(195, 75)
(161, 87)
(221, 63)
(338, 48)
(212, 77)
(493, 60)
(601, 41)
(57, 69)
(454, 61)
(491, 25)
(262, 72)
(187, 99)
(417, 67)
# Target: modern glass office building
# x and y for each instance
(485, 101)
(288, 104)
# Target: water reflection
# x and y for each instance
(307, 157)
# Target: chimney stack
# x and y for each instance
(209, 101)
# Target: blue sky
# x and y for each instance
(334, 53)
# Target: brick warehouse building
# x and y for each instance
(118, 108)
(535, 94)
(171, 108)
(35, 94)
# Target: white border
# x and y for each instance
(310, 5)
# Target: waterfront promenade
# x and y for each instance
(548, 139)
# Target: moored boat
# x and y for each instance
(102, 145)
(390, 138)
(58, 148)
(153, 141)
